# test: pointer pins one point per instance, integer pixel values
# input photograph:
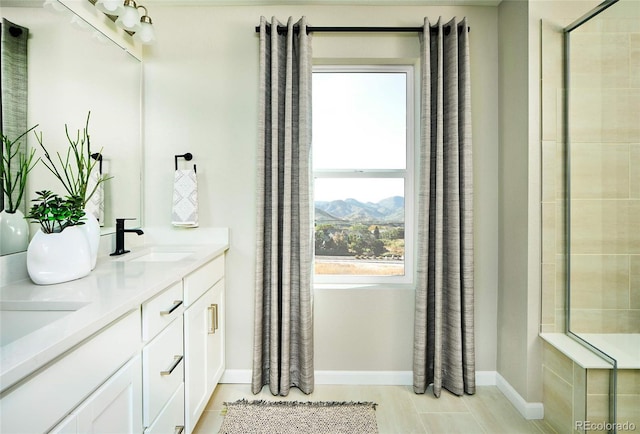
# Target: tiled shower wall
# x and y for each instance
(573, 394)
(605, 175)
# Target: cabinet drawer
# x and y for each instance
(171, 417)
(158, 312)
(61, 386)
(163, 369)
(196, 283)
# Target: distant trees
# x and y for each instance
(393, 234)
(355, 240)
(363, 242)
(331, 241)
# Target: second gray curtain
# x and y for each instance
(444, 353)
(283, 330)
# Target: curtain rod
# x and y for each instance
(310, 29)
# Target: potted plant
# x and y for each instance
(75, 172)
(14, 168)
(55, 214)
(59, 251)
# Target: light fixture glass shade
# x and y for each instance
(110, 7)
(130, 18)
(145, 34)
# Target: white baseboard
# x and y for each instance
(529, 410)
(486, 378)
(381, 378)
(377, 378)
(236, 376)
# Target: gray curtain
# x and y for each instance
(283, 331)
(444, 353)
(13, 86)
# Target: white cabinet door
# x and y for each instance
(204, 351)
(116, 406)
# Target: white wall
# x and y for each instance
(514, 180)
(201, 97)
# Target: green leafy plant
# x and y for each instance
(75, 169)
(14, 173)
(55, 214)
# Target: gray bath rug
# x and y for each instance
(294, 417)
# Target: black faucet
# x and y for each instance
(120, 230)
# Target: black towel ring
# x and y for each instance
(188, 156)
(98, 157)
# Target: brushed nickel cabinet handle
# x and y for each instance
(174, 365)
(215, 316)
(212, 324)
(176, 304)
(179, 429)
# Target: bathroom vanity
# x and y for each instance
(137, 346)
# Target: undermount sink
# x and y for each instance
(20, 318)
(157, 254)
(161, 257)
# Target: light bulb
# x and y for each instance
(145, 34)
(110, 7)
(130, 18)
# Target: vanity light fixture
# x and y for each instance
(110, 7)
(126, 16)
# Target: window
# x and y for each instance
(363, 181)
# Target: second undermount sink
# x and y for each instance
(20, 318)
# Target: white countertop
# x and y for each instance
(116, 286)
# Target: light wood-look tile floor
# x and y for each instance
(399, 410)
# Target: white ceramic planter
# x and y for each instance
(59, 257)
(14, 232)
(91, 230)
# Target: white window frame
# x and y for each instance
(347, 281)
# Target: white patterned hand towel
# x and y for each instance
(95, 205)
(185, 199)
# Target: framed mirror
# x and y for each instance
(74, 69)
